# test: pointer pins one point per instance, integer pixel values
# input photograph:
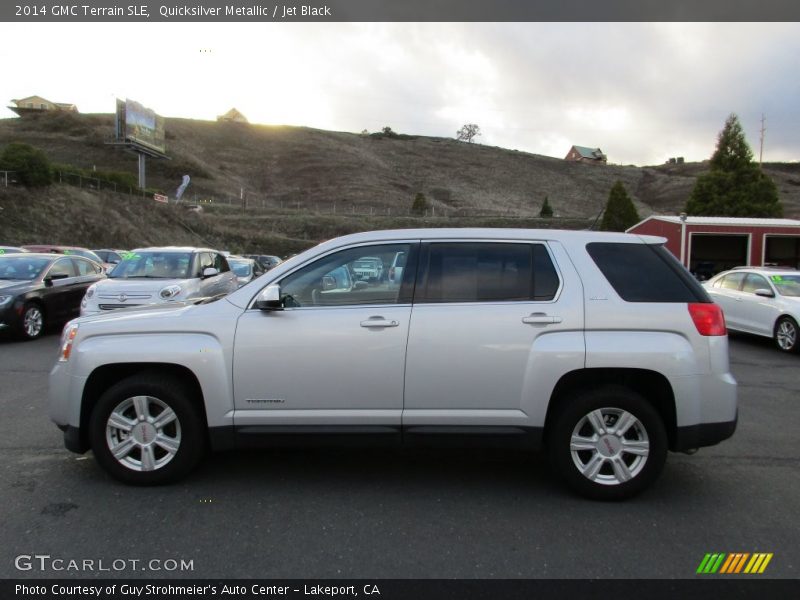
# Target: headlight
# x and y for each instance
(170, 292)
(67, 338)
(5, 300)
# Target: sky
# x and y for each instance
(642, 92)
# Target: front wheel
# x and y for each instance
(786, 334)
(32, 323)
(145, 430)
(607, 444)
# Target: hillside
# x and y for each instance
(301, 184)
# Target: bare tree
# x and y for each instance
(468, 132)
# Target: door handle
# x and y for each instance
(541, 319)
(378, 322)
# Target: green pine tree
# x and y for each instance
(420, 204)
(547, 210)
(620, 213)
(735, 186)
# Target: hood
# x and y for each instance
(11, 285)
(170, 309)
(135, 286)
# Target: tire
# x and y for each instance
(31, 325)
(606, 464)
(785, 334)
(152, 424)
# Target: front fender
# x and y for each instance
(202, 354)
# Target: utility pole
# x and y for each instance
(763, 129)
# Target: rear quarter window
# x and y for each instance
(645, 273)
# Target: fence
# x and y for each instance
(247, 201)
(94, 183)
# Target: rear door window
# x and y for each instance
(487, 272)
(645, 273)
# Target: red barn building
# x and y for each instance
(708, 245)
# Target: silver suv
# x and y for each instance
(600, 348)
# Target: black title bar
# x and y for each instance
(740, 588)
(284, 11)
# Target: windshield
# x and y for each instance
(241, 268)
(787, 285)
(21, 267)
(153, 265)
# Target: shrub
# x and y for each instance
(30, 164)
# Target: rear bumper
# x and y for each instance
(703, 434)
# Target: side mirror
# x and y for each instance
(270, 298)
(764, 293)
(328, 283)
(209, 272)
(54, 277)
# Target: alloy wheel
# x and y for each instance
(609, 446)
(143, 433)
(786, 335)
(33, 322)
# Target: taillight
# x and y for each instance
(708, 318)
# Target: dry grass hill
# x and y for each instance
(294, 179)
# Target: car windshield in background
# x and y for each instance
(21, 267)
(153, 265)
(241, 268)
(787, 285)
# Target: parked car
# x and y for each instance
(246, 269)
(267, 261)
(38, 290)
(11, 250)
(368, 268)
(110, 258)
(761, 301)
(157, 275)
(599, 347)
(74, 250)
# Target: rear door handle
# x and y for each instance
(541, 319)
(378, 322)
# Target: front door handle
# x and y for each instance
(377, 322)
(541, 319)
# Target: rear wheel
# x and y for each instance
(786, 334)
(145, 430)
(607, 444)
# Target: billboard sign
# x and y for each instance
(160, 198)
(140, 125)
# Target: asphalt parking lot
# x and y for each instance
(399, 514)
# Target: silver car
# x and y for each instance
(599, 348)
(761, 301)
(246, 269)
(159, 275)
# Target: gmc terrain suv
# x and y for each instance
(600, 348)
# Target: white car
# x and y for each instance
(156, 275)
(762, 301)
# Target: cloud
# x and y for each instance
(641, 91)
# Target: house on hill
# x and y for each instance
(33, 104)
(232, 116)
(584, 154)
